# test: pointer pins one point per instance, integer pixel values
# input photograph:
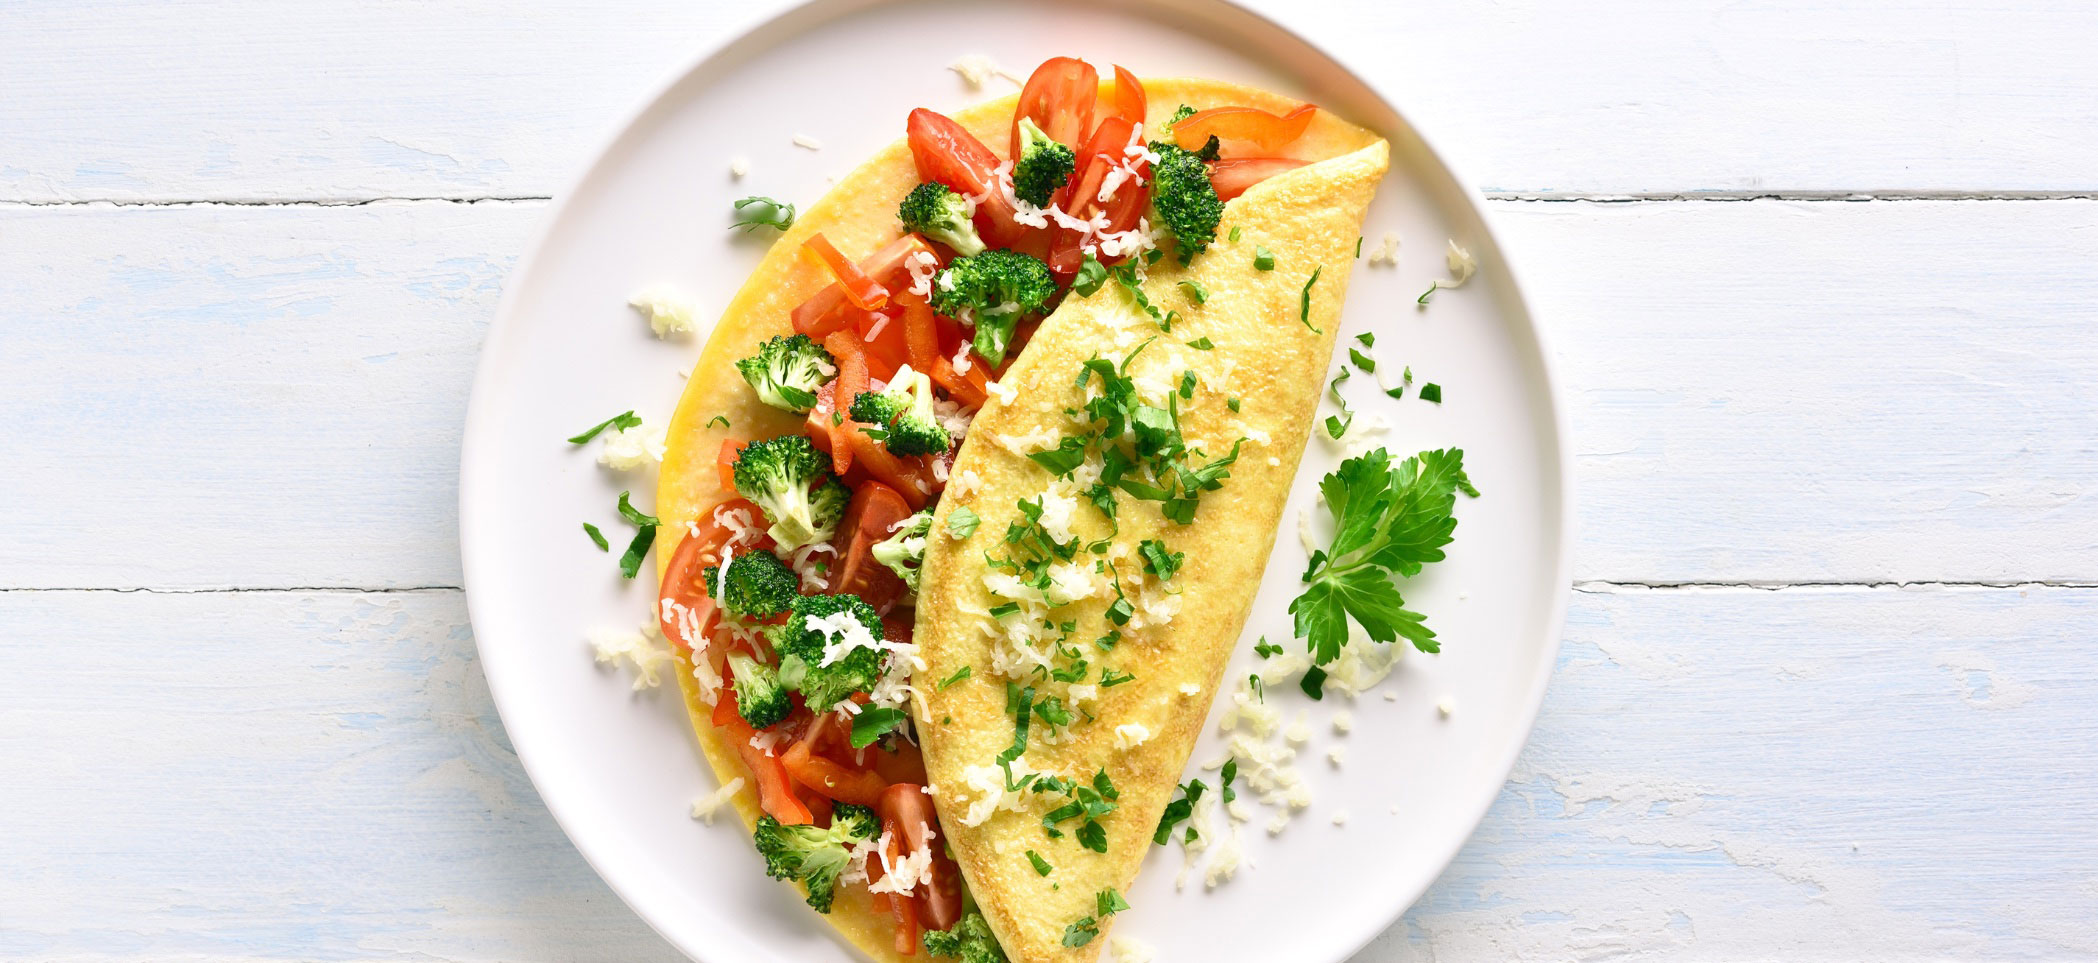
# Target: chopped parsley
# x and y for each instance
(1158, 561)
(1195, 291)
(1087, 805)
(1202, 344)
(1041, 866)
(597, 536)
(961, 523)
(1178, 811)
(1389, 520)
(1263, 259)
(872, 723)
(1304, 301)
(1337, 425)
(1234, 234)
(1109, 678)
(958, 676)
(1229, 773)
(644, 536)
(1232, 404)
(1358, 247)
(1313, 683)
(618, 422)
(1368, 339)
(1431, 392)
(1265, 649)
(1081, 932)
(1108, 902)
(1363, 361)
(1090, 276)
(756, 212)
(1405, 378)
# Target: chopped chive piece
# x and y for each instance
(1363, 361)
(1358, 247)
(1431, 392)
(1432, 285)
(619, 422)
(959, 675)
(636, 550)
(1304, 302)
(1041, 866)
(1234, 234)
(597, 536)
(1195, 291)
(1202, 344)
(1259, 689)
(632, 514)
(1314, 682)
(1368, 339)
(1001, 611)
(720, 418)
(1263, 259)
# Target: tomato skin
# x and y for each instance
(1263, 130)
(907, 814)
(682, 587)
(775, 794)
(1103, 152)
(1130, 103)
(949, 154)
(1059, 98)
(910, 477)
(874, 510)
(1232, 176)
(857, 285)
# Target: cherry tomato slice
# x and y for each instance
(775, 794)
(947, 153)
(907, 813)
(858, 287)
(1059, 98)
(1263, 130)
(870, 518)
(1130, 103)
(1231, 176)
(829, 309)
(1103, 152)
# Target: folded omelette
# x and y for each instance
(1095, 540)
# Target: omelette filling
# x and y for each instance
(795, 599)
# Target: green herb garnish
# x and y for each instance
(1041, 866)
(872, 723)
(597, 536)
(756, 212)
(1195, 291)
(1304, 301)
(1431, 392)
(1263, 259)
(961, 523)
(618, 422)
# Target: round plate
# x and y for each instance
(618, 768)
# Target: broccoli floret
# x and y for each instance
(801, 646)
(970, 941)
(941, 214)
(1042, 167)
(1186, 201)
(761, 699)
(995, 288)
(900, 416)
(778, 474)
(904, 551)
(785, 372)
(1180, 113)
(811, 855)
(759, 585)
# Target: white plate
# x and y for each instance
(617, 769)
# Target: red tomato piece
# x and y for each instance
(907, 814)
(1130, 103)
(869, 518)
(1231, 176)
(851, 380)
(1059, 98)
(775, 794)
(1251, 124)
(857, 285)
(829, 309)
(947, 153)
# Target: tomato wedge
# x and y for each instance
(1231, 176)
(775, 794)
(882, 338)
(858, 287)
(1103, 153)
(829, 309)
(949, 154)
(907, 814)
(910, 477)
(1059, 98)
(845, 784)
(684, 590)
(851, 380)
(1264, 130)
(1130, 103)
(903, 906)
(870, 518)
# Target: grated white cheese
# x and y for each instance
(922, 265)
(1446, 705)
(768, 741)
(738, 166)
(1343, 722)
(961, 361)
(1004, 393)
(1130, 735)
(706, 806)
(905, 874)
(1461, 266)
(804, 565)
(975, 69)
(626, 449)
(667, 309)
(1129, 950)
(642, 651)
(1340, 818)
(1190, 689)
(963, 483)
(1386, 251)
(1337, 755)
(807, 142)
(843, 633)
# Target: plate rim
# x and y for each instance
(479, 415)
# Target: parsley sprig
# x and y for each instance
(1389, 520)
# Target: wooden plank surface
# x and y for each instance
(1717, 774)
(249, 99)
(1761, 392)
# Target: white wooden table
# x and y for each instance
(1824, 282)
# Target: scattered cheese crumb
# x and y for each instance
(1304, 536)
(1337, 755)
(1343, 721)
(1190, 689)
(1387, 250)
(1130, 735)
(977, 68)
(804, 140)
(738, 166)
(1340, 818)
(1446, 705)
(1128, 950)
(639, 649)
(626, 449)
(1390, 696)
(1006, 393)
(1461, 266)
(706, 806)
(1298, 733)
(668, 310)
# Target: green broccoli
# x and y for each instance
(778, 474)
(815, 856)
(761, 699)
(900, 416)
(759, 585)
(785, 372)
(1042, 167)
(941, 214)
(995, 288)
(1186, 201)
(970, 941)
(1180, 113)
(904, 551)
(801, 646)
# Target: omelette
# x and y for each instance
(968, 497)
